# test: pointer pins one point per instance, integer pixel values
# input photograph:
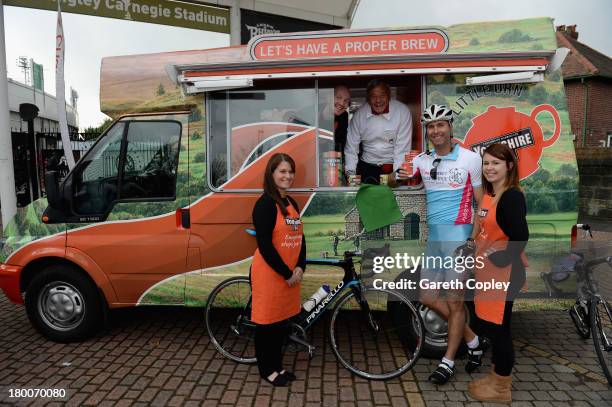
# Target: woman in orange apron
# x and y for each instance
(501, 235)
(278, 266)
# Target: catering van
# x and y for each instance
(155, 213)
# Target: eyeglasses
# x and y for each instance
(434, 168)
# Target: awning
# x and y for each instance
(197, 78)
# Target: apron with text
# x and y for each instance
(490, 304)
(273, 299)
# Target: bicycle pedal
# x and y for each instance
(310, 348)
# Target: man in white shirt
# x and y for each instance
(383, 127)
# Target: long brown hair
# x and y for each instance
(504, 153)
(269, 185)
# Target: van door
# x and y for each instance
(131, 177)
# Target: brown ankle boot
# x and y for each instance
(484, 379)
(496, 390)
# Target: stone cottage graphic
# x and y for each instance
(412, 225)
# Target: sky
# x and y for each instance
(89, 39)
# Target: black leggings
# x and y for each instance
(502, 349)
(269, 340)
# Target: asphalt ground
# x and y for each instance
(161, 356)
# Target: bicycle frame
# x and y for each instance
(350, 280)
(305, 321)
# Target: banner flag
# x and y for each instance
(60, 46)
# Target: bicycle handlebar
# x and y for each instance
(592, 263)
(582, 268)
(348, 257)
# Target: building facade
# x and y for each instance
(32, 151)
(587, 75)
(47, 121)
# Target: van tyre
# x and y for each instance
(63, 304)
(436, 328)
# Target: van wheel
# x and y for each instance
(63, 304)
(436, 330)
(436, 327)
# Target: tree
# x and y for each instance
(160, 90)
(99, 128)
(449, 79)
(474, 42)
(567, 170)
(514, 35)
(558, 100)
(555, 76)
(195, 115)
(545, 203)
(566, 192)
(541, 175)
(462, 124)
(538, 95)
(438, 98)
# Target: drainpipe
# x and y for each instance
(585, 111)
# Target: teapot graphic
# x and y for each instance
(519, 131)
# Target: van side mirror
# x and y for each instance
(52, 187)
(57, 211)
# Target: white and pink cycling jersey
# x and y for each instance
(450, 195)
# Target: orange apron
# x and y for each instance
(273, 299)
(490, 304)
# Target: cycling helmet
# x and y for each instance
(437, 112)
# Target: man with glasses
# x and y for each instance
(452, 178)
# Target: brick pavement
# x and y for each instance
(160, 356)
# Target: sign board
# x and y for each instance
(348, 44)
(38, 81)
(165, 12)
(253, 23)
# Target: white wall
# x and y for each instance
(47, 114)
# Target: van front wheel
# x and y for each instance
(63, 304)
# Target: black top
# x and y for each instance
(511, 217)
(340, 131)
(264, 220)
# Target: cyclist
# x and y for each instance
(452, 178)
(278, 266)
(501, 236)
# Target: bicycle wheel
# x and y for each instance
(368, 340)
(579, 318)
(601, 324)
(228, 320)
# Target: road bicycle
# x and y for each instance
(592, 313)
(367, 326)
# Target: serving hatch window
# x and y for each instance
(247, 126)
